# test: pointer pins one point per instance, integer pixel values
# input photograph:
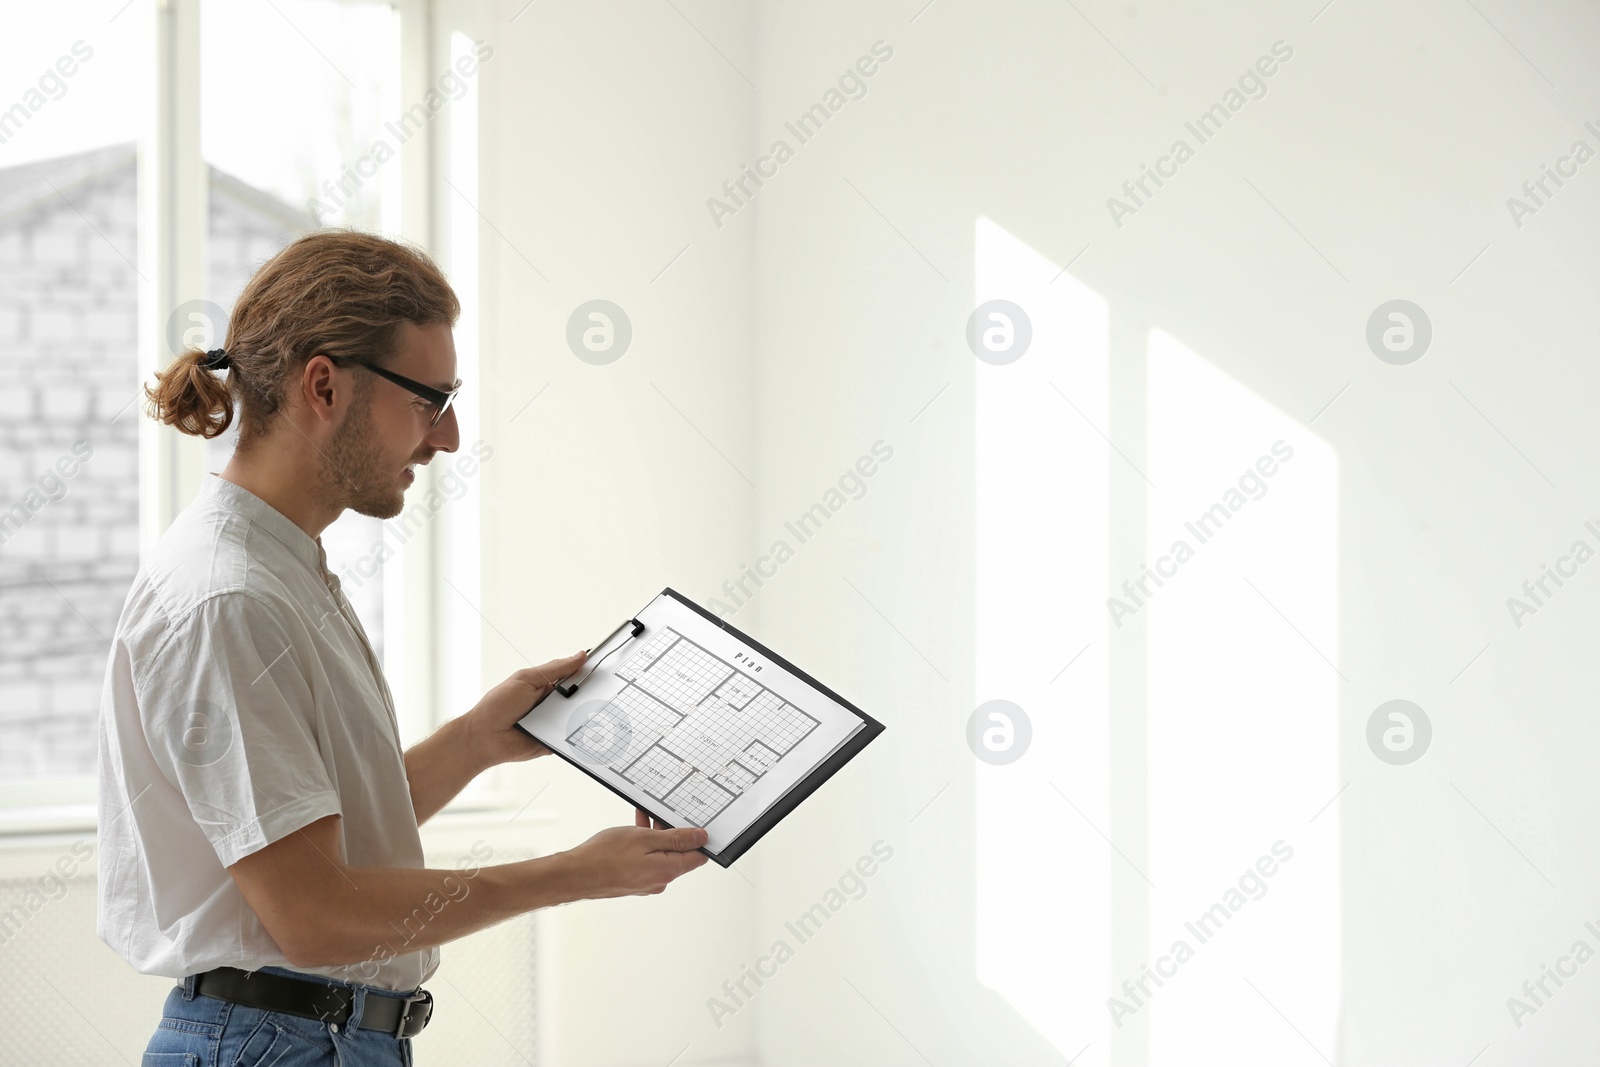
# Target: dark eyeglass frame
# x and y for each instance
(440, 399)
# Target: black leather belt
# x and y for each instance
(401, 1016)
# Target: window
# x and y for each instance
(69, 298)
(270, 180)
(144, 176)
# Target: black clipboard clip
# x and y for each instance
(638, 628)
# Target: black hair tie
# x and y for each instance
(216, 359)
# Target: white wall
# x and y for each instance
(827, 314)
(601, 128)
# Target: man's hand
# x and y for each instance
(491, 729)
(636, 860)
(440, 766)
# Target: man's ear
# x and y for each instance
(321, 388)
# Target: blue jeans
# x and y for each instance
(201, 1031)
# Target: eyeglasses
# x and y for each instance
(440, 400)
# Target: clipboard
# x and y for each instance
(728, 679)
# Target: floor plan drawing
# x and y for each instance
(690, 729)
(694, 723)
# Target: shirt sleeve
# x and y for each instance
(228, 710)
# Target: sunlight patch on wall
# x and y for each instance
(1043, 873)
(1242, 720)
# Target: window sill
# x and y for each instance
(20, 827)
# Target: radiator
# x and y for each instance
(71, 1000)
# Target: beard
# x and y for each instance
(355, 474)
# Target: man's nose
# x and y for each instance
(445, 437)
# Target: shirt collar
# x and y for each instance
(236, 498)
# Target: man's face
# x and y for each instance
(385, 432)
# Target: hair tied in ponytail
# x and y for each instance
(339, 292)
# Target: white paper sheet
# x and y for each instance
(692, 723)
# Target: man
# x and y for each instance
(258, 818)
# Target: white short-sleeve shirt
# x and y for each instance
(242, 702)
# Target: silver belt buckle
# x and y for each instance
(422, 997)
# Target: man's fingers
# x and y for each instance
(683, 839)
(688, 861)
(547, 674)
(646, 820)
(677, 865)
